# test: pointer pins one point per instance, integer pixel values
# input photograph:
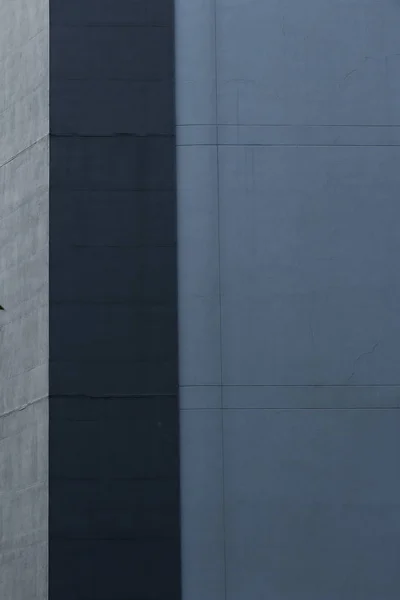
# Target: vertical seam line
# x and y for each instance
(219, 298)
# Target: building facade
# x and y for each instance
(288, 133)
(199, 378)
(89, 475)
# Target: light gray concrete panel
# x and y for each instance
(24, 572)
(25, 287)
(33, 218)
(24, 236)
(25, 430)
(19, 390)
(24, 342)
(311, 397)
(24, 276)
(25, 177)
(18, 130)
(195, 66)
(24, 96)
(326, 62)
(24, 502)
(309, 265)
(200, 396)
(202, 519)
(198, 266)
(312, 504)
(21, 20)
(24, 70)
(24, 367)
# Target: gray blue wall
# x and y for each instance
(24, 208)
(288, 185)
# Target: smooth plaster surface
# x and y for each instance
(288, 152)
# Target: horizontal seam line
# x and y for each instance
(304, 126)
(290, 408)
(266, 145)
(294, 385)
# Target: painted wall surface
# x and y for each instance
(24, 200)
(289, 293)
(114, 460)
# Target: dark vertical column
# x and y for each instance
(114, 468)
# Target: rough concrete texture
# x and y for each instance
(289, 133)
(24, 201)
(114, 491)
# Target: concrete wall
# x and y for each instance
(88, 341)
(24, 198)
(288, 179)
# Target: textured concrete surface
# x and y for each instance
(24, 201)
(288, 133)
